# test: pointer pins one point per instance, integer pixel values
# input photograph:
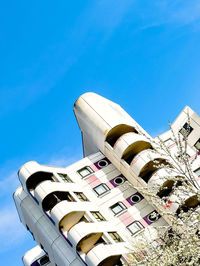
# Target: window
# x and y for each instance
(169, 142)
(153, 216)
(197, 171)
(135, 227)
(81, 196)
(135, 198)
(101, 189)
(119, 180)
(197, 145)
(44, 260)
(102, 163)
(115, 236)
(65, 177)
(186, 130)
(118, 207)
(98, 216)
(85, 171)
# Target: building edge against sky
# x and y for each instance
(94, 211)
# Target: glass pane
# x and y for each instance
(85, 172)
(44, 260)
(197, 145)
(197, 172)
(98, 216)
(186, 130)
(135, 227)
(100, 189)
(169, 142)
(65, 177)
(117, 208)
(115, 236)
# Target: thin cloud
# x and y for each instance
(12, 232)
(175, 13)
(9, 184)
(40, 77)
(63, 161)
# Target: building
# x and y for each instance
(94, 211)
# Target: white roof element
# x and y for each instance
(96, 116)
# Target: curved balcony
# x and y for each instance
(47, 187)
(27, 170)
(116, 132)
(146, 163)
(191, 203)
(163, 180)
(35, 179)
(54, 198)
(130, 144)
(106, 255)
(182, 199)
(85, 235)
(66, 214)
(32, 174)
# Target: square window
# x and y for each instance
(118, 207)
(81, 196)
(197, 171)
(169, 142)
(85, 171)
(44, 260)
(135, 227)
(197, 145)
(186, 130)
(98, 216)
(115, 236)
(65, 177)
(101, 189)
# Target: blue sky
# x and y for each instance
(142, 54)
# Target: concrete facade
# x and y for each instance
(94, 211)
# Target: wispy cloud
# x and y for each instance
(11, 230)
(175, 13)
(9, 184)
(183, 12)
(62, 161)
(178, 13)
(44, 73)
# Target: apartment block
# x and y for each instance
(95, 211)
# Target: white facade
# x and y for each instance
(92, 212)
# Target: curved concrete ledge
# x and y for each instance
(143, 158)
(177, 199)
(32, 174)
(131, 143)
(111, 252)
(82, 229)
(161, 176)
(64, 208)
(27, 170)
(47, 187)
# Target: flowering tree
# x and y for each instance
(169, 246)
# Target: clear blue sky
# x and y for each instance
(142, 54)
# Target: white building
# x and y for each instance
(94, 211)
